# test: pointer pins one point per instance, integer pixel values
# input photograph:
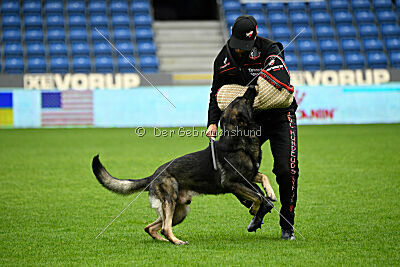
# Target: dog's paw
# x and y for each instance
(180, 242)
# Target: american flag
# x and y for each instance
(67, 108)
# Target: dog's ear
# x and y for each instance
(250, 94)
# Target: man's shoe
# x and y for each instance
(287, 234)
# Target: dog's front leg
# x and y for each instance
(263, 179)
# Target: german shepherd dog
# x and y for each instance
(173, 184)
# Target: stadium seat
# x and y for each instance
(386, 16)
(253, 6)
(260, 18)
(317, 6)
(395, 59)
(140, 7)
(57, 49)
(14, 65)
(230, 18)
(368, 30)
(77, 21)
(104, 64)
(96, 36)
(149, 64)
(59, 64)
(342, 17)
(36, 65)
(75, 7)
(146, 48)
(35, 49)
(346, 31)
(303, 32)
(228, 6)
(389, 30)
(324, 31)
(299, 18)
(376, 60)
(392, 44)
(13, 50)
(288, 47)
(360, 5)
(53, 7)
(119, 7)
(142, 21)
(77, 34)
(296, 7)
(281, 32)
(80, 48)
(55, 21)
(311, 61)
(382, 4)
(364, 16)
(320, 17)
(125, 47)
(351, 45)
(31, 7)
(372, 45)
(339, 5)
(291, 61)
(97, 7)
(11, 35)
(55, 34)
(10, 7)
(33, 22)
(81, 64)
(102, 48)
(354, 60)
(98, 21)
(277, 19)
(125, 66)
(33, 35)
(275, 7)
(328, 45)
(305, 46)
(332, 61)
(143, 34)
(10, 22)
(120, 21)
(263, 32)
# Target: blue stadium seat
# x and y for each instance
(55, 34)
(98, 7)
(146, 48)
(57, 49)
(104, 64)
(364, 16)
(346, 31)
(81, 64)
(77, 21)
(11, 22)
(80, 48)
(31, 7)
(324, 31)
(230, 18)
(125, 47)
(59, 64)
(305, 46)
(298, 18)
(36, 65)
(149, 64)
(35, 49)
(119, 7)
(260, 18)
(386, 16)
(77, 34)
(332, 61)
(395, 59)
(377, 60)
(96, 36)
(278, 19)
(389, 30)
(306, 32)
(253, 6)
(120, 21)
(291, 61)
(320, 17)
(317, 6)
(392, 44)
(368, 30)
(281, 32)
(372, 45)
(98, 21)
(360, 5)
(311, 61)
(76, 7)
(288, 47)
(13, 50)
(55, 21)
(102, 48)
(33, 35)
(341, 5)
(354, 60)
(274, 7)
(14, 65)
(10, 7)
(230, 6)
(351, 45)
(342, 17)
(33, 22)
(296, 7)
(142, 21)
(263, 32)
(140, 7)
(144, 33)
(328, 45)
(382, 4)
(53, 7)
(11, 35)
(125, 66)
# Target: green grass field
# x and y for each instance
(52, 207)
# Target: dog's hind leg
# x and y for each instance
(263, 179)
(153, 228)
(168, 209)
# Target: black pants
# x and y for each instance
(281, 130)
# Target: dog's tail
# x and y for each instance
(124, 187)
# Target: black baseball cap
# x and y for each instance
(244, 32)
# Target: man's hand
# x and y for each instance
(212, 131)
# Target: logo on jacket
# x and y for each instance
(254, 53)
(226, 63)
(249, 34)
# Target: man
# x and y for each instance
(239, 62)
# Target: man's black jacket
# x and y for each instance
(230, 69)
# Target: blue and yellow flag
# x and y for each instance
(6, 109)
